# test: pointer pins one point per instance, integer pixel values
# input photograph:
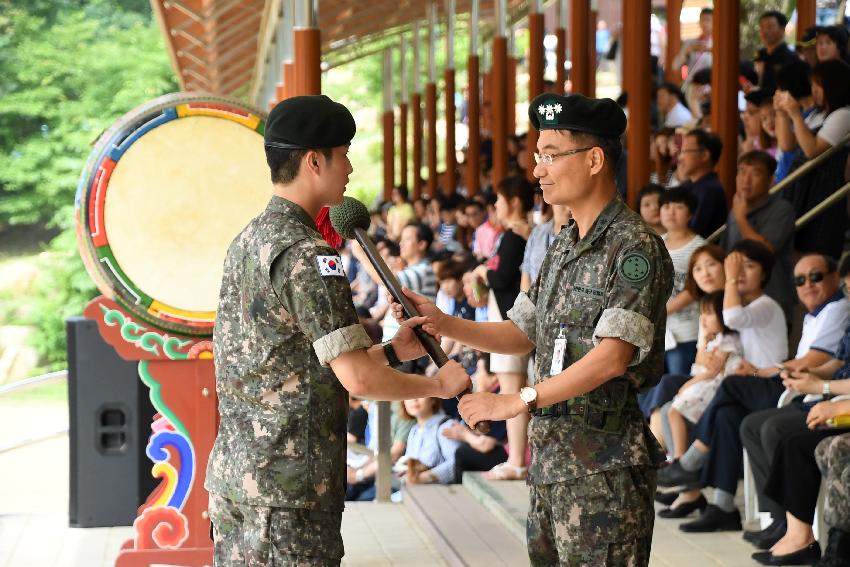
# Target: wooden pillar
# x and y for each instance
(307, 40)
(451, 114)
(389, 126)
(431, 101)
(499, 106)
(636, 73)
(510, 94)
(536, 32)
(724, 89)
(806, 12)
(591, 53)
(416, 103)
(580, 45)
(674, 41)
(289, 80)
(402, 113)
(487, 102)
(473, 153)
(561, 48)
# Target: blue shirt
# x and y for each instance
(428, 445)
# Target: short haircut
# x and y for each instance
(706, 11)
(780, 18)
(423, 232)
(831, 264)
(665, 131)
(517, 186)
(473, 203)
(713, 250)
(680, 194)
(758, 253)
(708, 141)
(714, 302)
(449, 270)
(649, 189)
(834, 77)
(837, 34)
(402, 191)
(612, 148)
(759, 157)
(285, 164)
(794, 78)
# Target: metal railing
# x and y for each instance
(26, 384)
(807, 167)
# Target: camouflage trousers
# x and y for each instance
(261, 536)
(833, 457)
(600, 519)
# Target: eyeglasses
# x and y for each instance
(814, 277)
(546, 159)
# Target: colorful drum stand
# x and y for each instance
(170, 341)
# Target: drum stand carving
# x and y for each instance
(172, 527)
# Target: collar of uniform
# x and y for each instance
(281, 205)
(603, 221)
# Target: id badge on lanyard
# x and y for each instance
(558, 353)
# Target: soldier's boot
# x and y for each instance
(837, 553)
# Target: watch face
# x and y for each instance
(528, 395)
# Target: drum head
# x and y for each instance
(165, 191)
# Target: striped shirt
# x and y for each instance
(419, 278)
(683, 325)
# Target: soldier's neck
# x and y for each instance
(586, 211)
(301, 196)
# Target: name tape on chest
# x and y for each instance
(330, 266)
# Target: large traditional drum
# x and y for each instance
(163, 194)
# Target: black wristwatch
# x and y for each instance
(392, 357)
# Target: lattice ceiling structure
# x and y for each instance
(215, 45)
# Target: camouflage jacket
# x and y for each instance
(284, 312)
(614, 282)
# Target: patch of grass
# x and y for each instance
(50, 393)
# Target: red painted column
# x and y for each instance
(636, 69)
(724, 88)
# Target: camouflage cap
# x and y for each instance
(597, 116)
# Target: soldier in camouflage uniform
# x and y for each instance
(596, 315)
(287, 345)
(833, 457)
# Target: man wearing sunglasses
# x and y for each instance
(715, 457)
(596, 317)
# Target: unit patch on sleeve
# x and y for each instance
(635, 268)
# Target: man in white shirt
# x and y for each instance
(715, 458)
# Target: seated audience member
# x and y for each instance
(477, 452)
(660, 153)
(763, 431)
(447, 230)
(759, 123)
(400, 214)
(697, 158)
(650, 210)
(764, 218)
(357, 417)
(724, 347)
(705, 275)
(670, 104)
(714, 459)
(831, 44)
(487, 231)
(794, 483)
(361, 481)
(831, 91)
(833, 458)
(677, 207)
(756, 316)
(538, 244)
(793, 80)
(431, 452)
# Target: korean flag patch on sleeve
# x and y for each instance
(330, 266)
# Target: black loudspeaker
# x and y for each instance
(110, 415)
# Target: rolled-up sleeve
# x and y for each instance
(321, 305)
(635, 308)
(524, 315)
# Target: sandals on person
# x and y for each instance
(506, 471)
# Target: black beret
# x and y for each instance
(309, 122)
(597, 116)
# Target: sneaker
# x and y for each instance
(713, 519)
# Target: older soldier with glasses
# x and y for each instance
(596, 316)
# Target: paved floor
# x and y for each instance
(34, 531)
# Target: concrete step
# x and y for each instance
(507, 500)
(462, 530)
